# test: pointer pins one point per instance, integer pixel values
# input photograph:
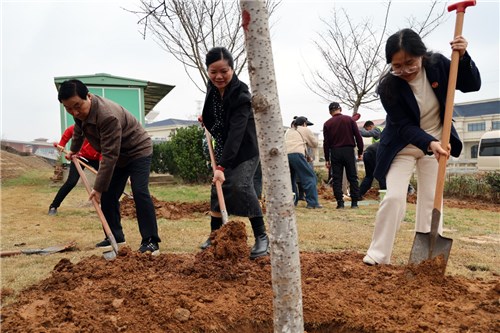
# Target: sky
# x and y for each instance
(41, 40)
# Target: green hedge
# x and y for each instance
(182, 156)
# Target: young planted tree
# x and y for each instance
(353, 54)
(285, 260)
(188, 29)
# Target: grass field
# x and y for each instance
(25, 224)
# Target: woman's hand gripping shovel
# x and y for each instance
(108, 255)
(218, 185)
(431, 245)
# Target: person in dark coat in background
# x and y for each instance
(228, 116)
(369, 130)
(340, 137)
(413, 93)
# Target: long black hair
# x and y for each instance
(406, 40)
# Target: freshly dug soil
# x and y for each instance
(222, 290)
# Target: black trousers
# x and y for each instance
(340, 159)
(369, 160)
(138, 170)
(70, 183)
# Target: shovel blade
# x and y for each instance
(109, 255)
(422, 249)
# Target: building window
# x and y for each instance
(476, 127)
(495, 125)
(473, 151)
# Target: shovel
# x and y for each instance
(431, 245)
(48, 250)
(218, 185)
(108, 255)
(91, 169)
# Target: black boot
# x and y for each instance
(340, 204)
(215, 224)
(261, 246)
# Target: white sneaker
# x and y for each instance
(369, 261)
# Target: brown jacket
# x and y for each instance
(115, 133)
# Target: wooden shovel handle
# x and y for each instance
(448, 112)
(10, 253)
(94, 171)
(218, 185)
(104, 223)
(91, 169)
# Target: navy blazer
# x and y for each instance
(239, 134)
(403, 114)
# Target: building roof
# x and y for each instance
(153, 92)
(478, 108)
(172, 122)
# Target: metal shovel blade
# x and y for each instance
(430, 245)
(48, 250)
(109, 255)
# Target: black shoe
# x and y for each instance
(261, 247)
(106, 244)
(150, 248)
(354, 205)
(52, 211)
(340, 205)
(206, 244)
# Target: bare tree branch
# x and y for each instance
(353, 55)
(188, 29)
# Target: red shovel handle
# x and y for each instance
(460, 7)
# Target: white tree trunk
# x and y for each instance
(285, 260)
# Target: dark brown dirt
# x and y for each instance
(166, 209)
(221, 290)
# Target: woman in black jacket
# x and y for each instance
(413, 93)
(228, 116)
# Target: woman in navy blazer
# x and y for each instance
(413, 93)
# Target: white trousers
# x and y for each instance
(392, 209)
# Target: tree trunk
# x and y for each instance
(285, 260)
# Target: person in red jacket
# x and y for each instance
(91, 158)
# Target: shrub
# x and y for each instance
(483, 186)
(182, 156)
(163, 161)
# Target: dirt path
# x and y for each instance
(222, 291)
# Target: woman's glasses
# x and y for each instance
(412, 67)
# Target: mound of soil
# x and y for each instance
(222, 290)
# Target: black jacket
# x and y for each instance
(239, 134)
(403, 114)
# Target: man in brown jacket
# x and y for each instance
(126, 150)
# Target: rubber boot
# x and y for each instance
(261, 246)
(215, 224)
